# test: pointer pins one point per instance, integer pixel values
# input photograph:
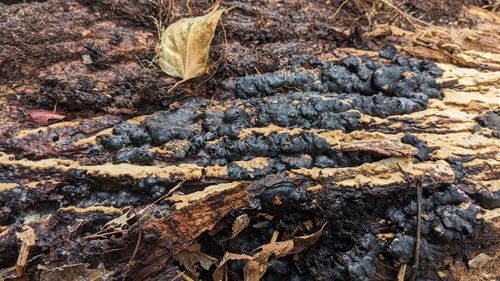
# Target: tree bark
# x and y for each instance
(133, 175)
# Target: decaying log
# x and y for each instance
(288, 129)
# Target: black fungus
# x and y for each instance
(138, 136)
(323, 161)
(332, 96)
(126, 134)
(488, 199)
(78, 177)
(171, 125)
(355, 258)
(388, 52)
(423, 150)
(297, 162)
(115, 198)
(457, 166)
(449, 215)
(279, 269)
(351, 75)
(134, 156)
(152, 186)
(285, 194)
(234, 170)
(112, 143)
(490, 119)
(360, 261)
(74, 192)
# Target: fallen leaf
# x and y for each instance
(42, 117)
(192, 255)
(240, 223)
(257, 265)
(184, 45)
(255, 269)
(220, 271)
(480, 260)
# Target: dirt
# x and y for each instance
(311, 112)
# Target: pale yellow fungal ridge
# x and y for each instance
(185, 200)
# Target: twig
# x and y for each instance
(338, 10)
(409, 18)
(402, 272)
(403, 14)
(416, 257)
(139, 237)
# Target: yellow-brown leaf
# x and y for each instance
(184, 45)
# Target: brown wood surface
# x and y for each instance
(42, 51)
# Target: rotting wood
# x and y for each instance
(387, 148)
(93, 96)
(28, 239)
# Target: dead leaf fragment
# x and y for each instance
(192, 255)
(184, 45)
(240, 223)
(480, 260)
(42, 117)
(257, 265)
(220, 272)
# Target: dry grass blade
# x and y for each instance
(184, 45)
(493, 4)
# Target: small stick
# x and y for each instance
(417, 235)
(403, 14)
(416, 255)
(139, 237)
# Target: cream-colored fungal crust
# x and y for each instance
(101, 209)
(252, 165)
(386, 172)
(184, 200)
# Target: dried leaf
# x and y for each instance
(302, 242)
(280, 249)
(122, 223)
(240, 223)
(480, 260)
(257, 265)
(192, 255)
(184, 45)
(42, 117)
(255, 269)
(220, 271)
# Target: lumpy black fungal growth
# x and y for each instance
(332, 96)
(449, 215)
(491, 120)
(403, 78)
